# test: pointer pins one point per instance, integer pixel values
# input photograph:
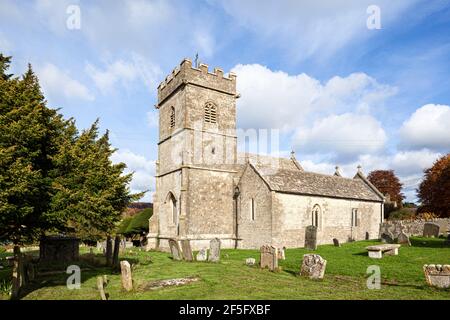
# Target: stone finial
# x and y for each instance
(337, 172)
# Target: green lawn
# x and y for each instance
(345, 278)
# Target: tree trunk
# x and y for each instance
(108, 251)
(115, 261)
(16, 274)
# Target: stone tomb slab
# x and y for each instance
(376, 252)
(437, 275)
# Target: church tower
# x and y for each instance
(197, 158)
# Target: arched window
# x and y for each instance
(172, 117)
(173, 207)
(316, 216)
(210, 113)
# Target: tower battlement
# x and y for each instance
(185, 73)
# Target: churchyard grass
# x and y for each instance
(345, 277)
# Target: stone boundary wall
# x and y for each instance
(413, 227)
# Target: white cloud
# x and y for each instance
(427, 127)
(275, 99)
(57, 84)
(312, 28)
(343, 136)
(408, 166)
(144, 171)
(124, 73)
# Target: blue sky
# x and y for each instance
(339, 92)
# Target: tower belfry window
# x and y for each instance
(172, 117)
(210, 113)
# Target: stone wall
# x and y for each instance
(293, 213)
(413, 227)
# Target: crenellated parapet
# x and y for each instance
(185, 73)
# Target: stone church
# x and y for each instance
(205, 189)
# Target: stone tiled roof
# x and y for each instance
(309, 183)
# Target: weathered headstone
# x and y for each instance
(214, 250)
(431, 229)
(281, 253)
(387, 237)
(437, 275)
(403, 239)
(269, 257)
(127, 281)
(311, 238)
(313, 266)
(187, 250)
(175, 250)
(202, 255)
(336, 242)
(250, 261)
(101, 288)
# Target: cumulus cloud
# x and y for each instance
(275, 99)
(123, 72)
(407, 165)
(143, 171)
(58, 84)
(342, 136)
(427, 127)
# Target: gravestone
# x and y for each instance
(311, 238)
(101, 283)
(187, 250)
(269, 257)
(202, 255)
(282, 254)
(313, 266)
(336, 242)
(58, 249)
(403, 239)
(431, 229)
(127, 281)
(250, 261)
(214, 250)
(387, 237)
(175, 250)
(437, 275)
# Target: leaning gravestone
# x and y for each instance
(387, 237)
(431, 229)
(127, 281)
(269, 257)
(313, 266)
(282, 254)
(175, 250)
(403, 239)
(311, 238)
(214, 250)
(101, 283)
(202, 255)
(437, 275)
(187, 250)
(336, 242)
